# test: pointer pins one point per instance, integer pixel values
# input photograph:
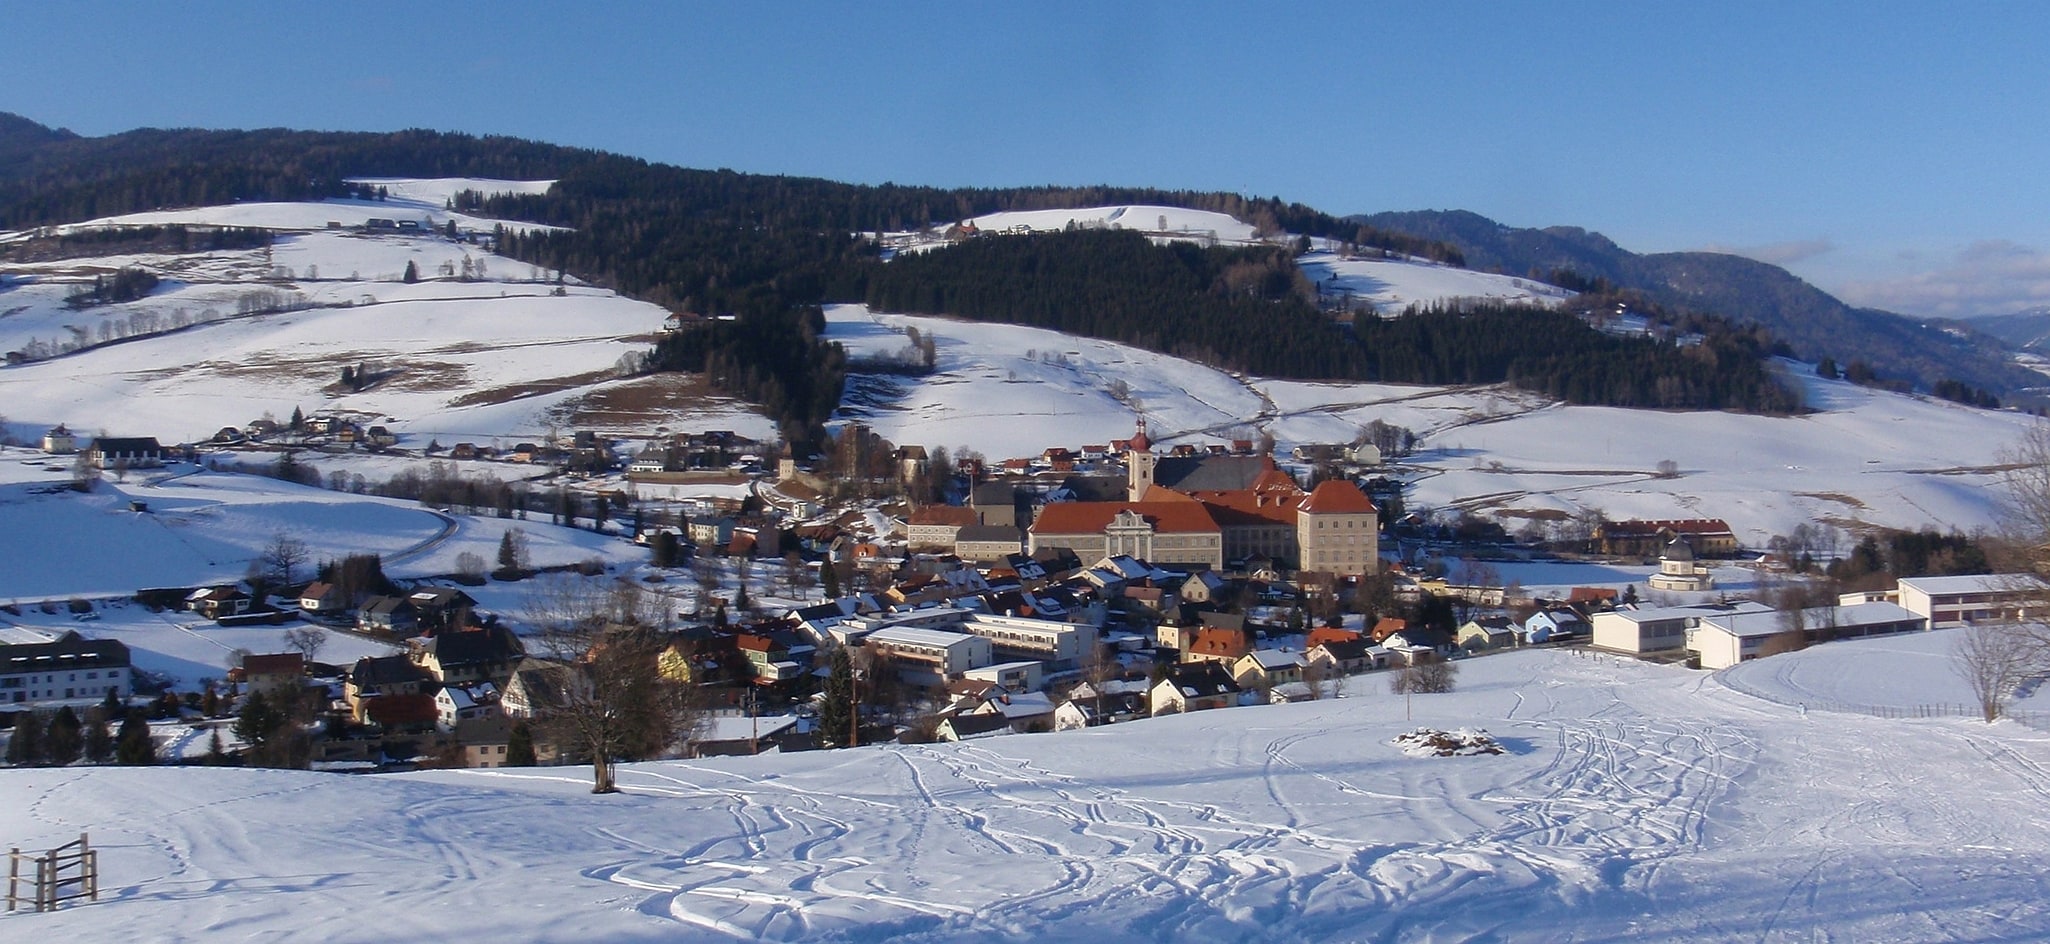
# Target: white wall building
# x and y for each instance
(1659, 629)
(1725, 640)
(1983, 598)
(930, 656)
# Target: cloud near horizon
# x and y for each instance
(1779, 254)
(1989, 277)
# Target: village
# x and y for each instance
(1084, 586)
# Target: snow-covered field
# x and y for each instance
(1176, 221)
(480, 348)
(1634, 803)
(1863, 457)
(1392, 285)
(208, 527)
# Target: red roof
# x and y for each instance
(283, 663)
(1335, 496)
(943, 514)
(1211, 641)
(1092, 517)
(1388, 626)
(1324, 634)
(401, 709)
(1679, 526)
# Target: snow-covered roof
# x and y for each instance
(1975, 583)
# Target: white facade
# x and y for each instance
(1724, 641)
(1060, 645)
(1661, 629)
(933, 654)
(1955, 601)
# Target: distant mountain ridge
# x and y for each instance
(2028, 329)
(1811, 321)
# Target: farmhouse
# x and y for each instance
(131, 453)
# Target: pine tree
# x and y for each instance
(25, 748)
(64, 738)
(133, 746)
(508, 552)
(99, 741)
(412, 273)
(836, 710)
(298, 421)
(829, 579)
(216, 753)
(258, 723)
(519, 748)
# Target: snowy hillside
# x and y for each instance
(204, 526)
(1392, 285)
(1634, 803)
(1171, 221)
(480, 347)
(1865, 456)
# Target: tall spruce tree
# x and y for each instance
(836, 710)
(133, 747)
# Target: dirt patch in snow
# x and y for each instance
(1431, 742)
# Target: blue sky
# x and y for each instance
(1891, 153)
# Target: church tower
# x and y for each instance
(1139, 461)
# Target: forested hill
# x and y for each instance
(1249, 310)
(1814, 324)
(772, 249)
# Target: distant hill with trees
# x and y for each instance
(1814, 324)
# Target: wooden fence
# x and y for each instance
(66, 873)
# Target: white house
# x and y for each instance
(1955, 601)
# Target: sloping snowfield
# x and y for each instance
(1392, 285)
(480, 347)
(1863, 456)
(1634, 803)
(205, 526)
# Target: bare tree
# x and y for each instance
(1994, 660)
(1430, 674)
(308, 640)
(611, 702)
(282, 557)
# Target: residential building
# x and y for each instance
(70, 668)
(1194, 686)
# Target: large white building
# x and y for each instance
(1660, 629)
(1724, 640)
(1062, 646)
(71, 669)
(1982, 598)
(929, 656)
